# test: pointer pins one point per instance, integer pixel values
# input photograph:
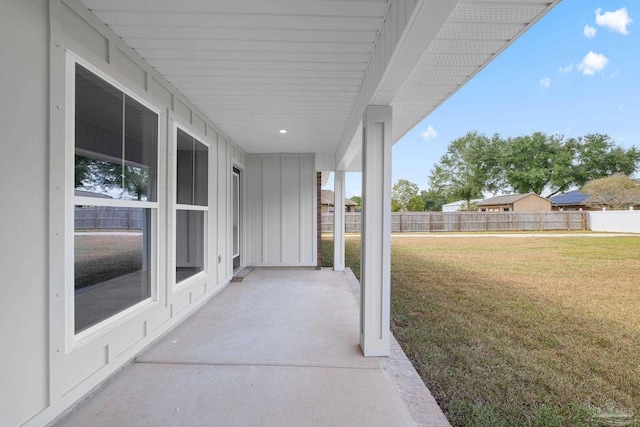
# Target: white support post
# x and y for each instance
(338, 220)
(375, 274)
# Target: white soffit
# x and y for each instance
(473, 35)
(257, 66)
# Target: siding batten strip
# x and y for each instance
(264, 216)
(283, 237)
(300, 209)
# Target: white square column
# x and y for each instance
(338, 220)
(375, 270)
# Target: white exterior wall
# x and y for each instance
(615, 221)
(44, 370)
(281, 205)
(23, 210)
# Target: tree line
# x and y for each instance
(539, 163)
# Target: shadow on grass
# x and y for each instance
(102, 258)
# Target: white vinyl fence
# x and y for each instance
(615, 221)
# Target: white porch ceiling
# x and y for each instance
(257, 66)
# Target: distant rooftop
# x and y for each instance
(504, 200)
(327, 198)
(575, 197)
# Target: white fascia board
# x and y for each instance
(428, 18)
(381, 84)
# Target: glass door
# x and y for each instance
(236, 218)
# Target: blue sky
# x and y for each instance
(577, 71)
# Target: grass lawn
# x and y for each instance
(529, 331)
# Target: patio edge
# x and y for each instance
(415, 394)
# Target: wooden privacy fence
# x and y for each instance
(469, 221)
(108, 218)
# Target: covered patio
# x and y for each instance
(278, 348)
(215, 122)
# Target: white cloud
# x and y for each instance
(592, 63)
(429, 133)
(545, 83)
(566, 69)
(615, 21)
(589, 32)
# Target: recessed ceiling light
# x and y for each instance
(282, 131)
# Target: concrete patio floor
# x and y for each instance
(277, 349)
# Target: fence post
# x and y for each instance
(429, 222)
(98, 208)
(486, 227)
(513, 221)
(568, 221)
(457, 221)
(540, 220)
(583, 220)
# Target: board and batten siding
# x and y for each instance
(24, 195)
(43, 371)
(281, 206)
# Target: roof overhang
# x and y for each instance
(311, 67)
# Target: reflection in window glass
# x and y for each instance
(111, 267)
(116, 141)
(140, 151)
(184, 158)
(189, 243)
(192, 170)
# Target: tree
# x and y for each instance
(614, 192)
(433, 200)
(597, 156)
(537, 162)
(106, 175)
(472, 207)
(416, 204)
(403, 192)
(468, 167)
(395, 206)
(358, 201)
(541, 163)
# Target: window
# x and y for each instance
(115, 200)
(191, 184)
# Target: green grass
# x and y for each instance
(520, 332)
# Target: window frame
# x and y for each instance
(175, 206)
(75, 340)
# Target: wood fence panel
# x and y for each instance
(419, 222)
(108, 218)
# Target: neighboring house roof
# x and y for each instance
(327, 198)
(504, 200)
(85, 193)
(575, 197)
(460, 202)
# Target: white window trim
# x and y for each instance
(234, 163)
(237, 211)
(173, 194)
(73, 340)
